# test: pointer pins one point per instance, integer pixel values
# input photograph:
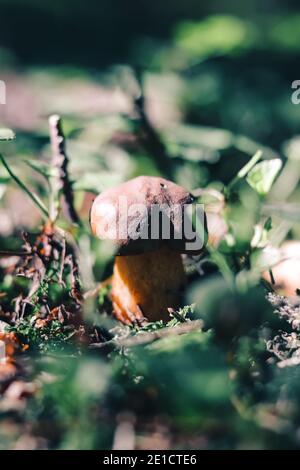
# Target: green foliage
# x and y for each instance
(103, 294)
(263, 175)
(208, 101)
(214, 35)
(72, 411)
(52, 337)
(230, 312)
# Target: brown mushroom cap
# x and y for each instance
(147, 191)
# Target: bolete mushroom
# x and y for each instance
(146, 219)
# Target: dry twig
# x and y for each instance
(146, 338)
(60, 162)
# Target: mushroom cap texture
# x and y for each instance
(146, 191)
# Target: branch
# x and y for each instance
(4, 253)
(148, 136)
(151, 140)
(146, 338)
(60, 162)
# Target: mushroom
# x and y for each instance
(148, 274)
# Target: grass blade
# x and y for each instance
(35, 199)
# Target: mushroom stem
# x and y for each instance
(146, 285)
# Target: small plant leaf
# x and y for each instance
(245, 170)
(263, 175)
(7, 134)
(268, 224)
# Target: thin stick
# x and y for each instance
(60, 162)
(148, 136)
(273, 282)
(62, 262)
(177, 315)
(94, 292)
(246, 169)
(146, 338)
(4, 253)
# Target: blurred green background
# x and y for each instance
(236, 60)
